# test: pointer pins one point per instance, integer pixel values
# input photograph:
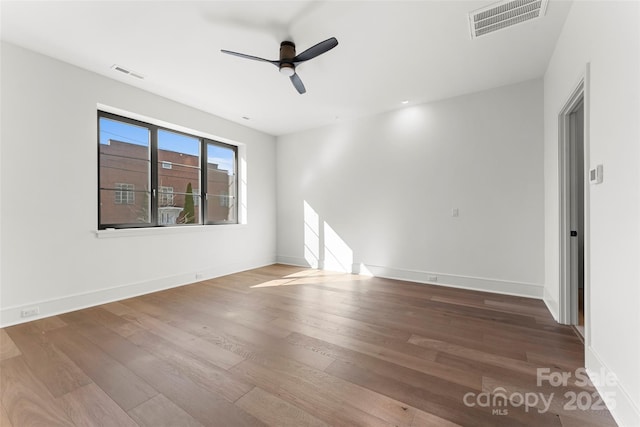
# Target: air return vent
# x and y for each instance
(505, 14)
(125, 71)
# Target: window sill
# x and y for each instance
(160, 231)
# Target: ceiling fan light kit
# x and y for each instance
(287, 53)
(289, 60)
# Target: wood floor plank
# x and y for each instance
(425, 419)
(424, 363)
(274, 411)
(178, 337)
(538, 309)
(396, 303)
(117, 308)
(145, 317)
(439, 327)
(555, 357)
(435, 384)
(121, 384)
(293, 312)
(344, 327)
(4, 417)
(8, 348)
(473, 354)
(162, 412)
(220, 305)
(90, 406)
(306, 396)
(47, 324)
(26, 400)
(568, 421)
(51, 366)
(250, 344)
(530, 339)
(207, 407)
(378, 405)
(233, 337)
(428, 401)
(198, 369)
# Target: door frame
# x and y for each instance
(568, 304)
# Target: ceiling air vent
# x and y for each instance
(505, 14)
(125, 71)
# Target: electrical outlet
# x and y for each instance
(432, 278)
(30, 312)
(199, 276)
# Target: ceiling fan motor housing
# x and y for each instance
(288, 59)
(287, 53)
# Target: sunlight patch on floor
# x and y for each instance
(276, 282)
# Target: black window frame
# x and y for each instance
(154, 194)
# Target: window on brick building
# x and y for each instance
(165, 196)
(150, 176)
(125, 194)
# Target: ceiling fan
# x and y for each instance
(289, 60)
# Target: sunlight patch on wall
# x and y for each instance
(323, 247)
(362, 270)
(338, 256)
(311, 236)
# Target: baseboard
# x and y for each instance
(51, 307)
(552, 304)
(529, 290)
(626, 411)
(295, 261)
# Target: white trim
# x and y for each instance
(551, 303)
(625, 412)
(294, 261)
(51, 307)
(587, 205)
(567, 300)
(154, 231)
(500, 286)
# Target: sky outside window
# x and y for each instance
(167, 140)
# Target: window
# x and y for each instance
(153, 176)
(124, 194)
(221, 190)
(166, 196)
(196, 200)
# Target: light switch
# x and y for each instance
(595, 175)
(455, 212)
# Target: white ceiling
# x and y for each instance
(388, 51)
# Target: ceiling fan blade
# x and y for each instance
(255, 58)
(295, 79)
(316, 50)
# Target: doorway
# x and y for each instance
(576, 211)
(574, 192)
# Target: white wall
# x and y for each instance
(386, 185)
(605, 34)
(51, 256)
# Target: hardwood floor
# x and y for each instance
(286, 346)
